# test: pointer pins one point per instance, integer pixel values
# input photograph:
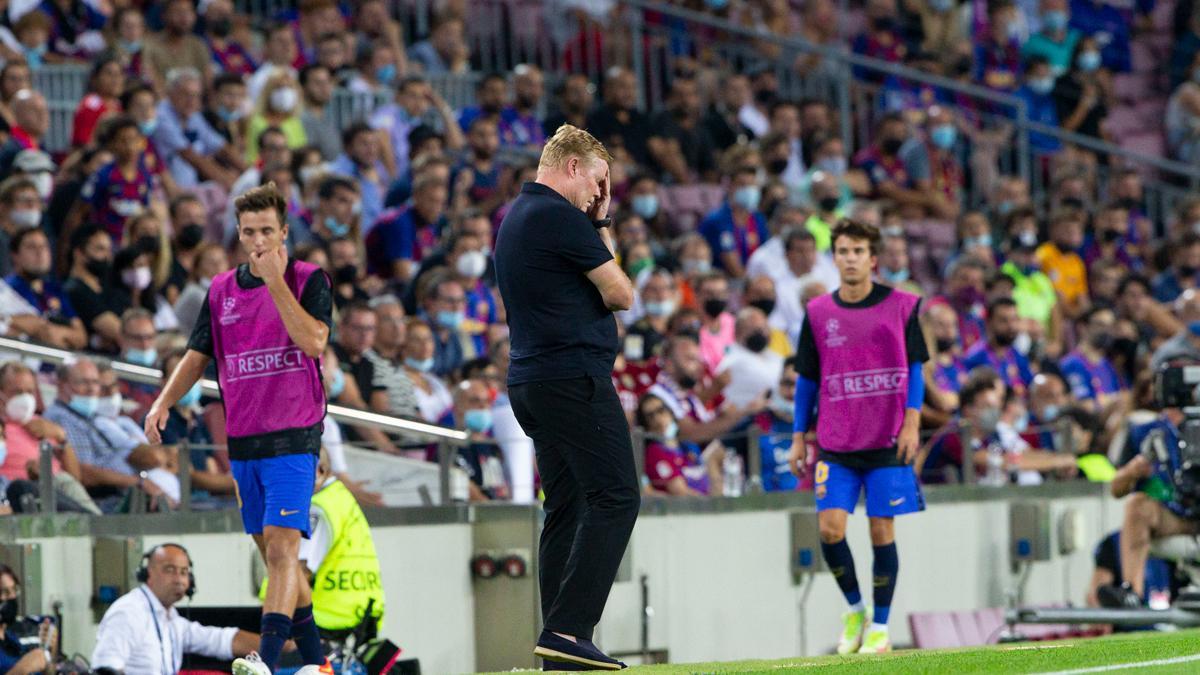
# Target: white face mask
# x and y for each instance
(25, 218)
(284, 100)
(472, 264)
(110, 406)
(20, 408)
(137, 278)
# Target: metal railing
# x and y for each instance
(446, 439)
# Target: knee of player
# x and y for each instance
(832, 533)
(280, 555)
(1139, 505)
(882, 532)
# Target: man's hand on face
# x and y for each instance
(269, 265)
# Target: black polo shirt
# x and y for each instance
(558, 324)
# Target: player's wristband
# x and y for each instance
(602, 223)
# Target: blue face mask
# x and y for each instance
(981, 240)
(944, 136)
(450, 319)
(386, 74)
(227, 115)
(891, 277)
(190, 397)
(645, 206)
(833, 165)
(1054, 21)
(1194, 328)
(337, 229)
(1049, 413)
(941, 5)
(34, 57)
(478, 421)
(338, 385)
(716, 4)
(85, 405)
(3, 451)
(131, 46)
(423, 365)
(142, 357)
(147, 128)
(747, 197)
(1041, 85)
(1088, 62)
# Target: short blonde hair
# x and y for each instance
(571, 141)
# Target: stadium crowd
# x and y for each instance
(1041, 316)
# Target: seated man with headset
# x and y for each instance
(143, 633)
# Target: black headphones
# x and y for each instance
(143, 570)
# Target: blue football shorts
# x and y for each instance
(891, 490)
(275, 491)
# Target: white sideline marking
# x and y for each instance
(1127, 666)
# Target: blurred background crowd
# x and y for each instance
(1029, 164)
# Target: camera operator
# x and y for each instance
(143, 633)
(27, 644)
(1160, 481)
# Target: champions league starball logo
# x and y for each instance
(832, 337)
(227, 315)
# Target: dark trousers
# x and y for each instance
(585, 459)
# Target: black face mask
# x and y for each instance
(1186, 271)
(767, 306)
(1071, 202)
(346, 274)
(1110, 236)
(777, 166)
(714, 307)
(686, 381)
(882, 23)
(1130, 204)
(8, 612)
(221, 27)
(891, 146)
(1102, 342)
(757, 342)
(828, 204)
(190, 236)
(97, 267)
(1125, 347)
(765, 97)
(147, 244)
(1005, 339)
(943, 344)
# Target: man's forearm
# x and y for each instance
(309, 334)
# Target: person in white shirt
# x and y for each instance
(143, 634)
(754, 370)
(804, 265)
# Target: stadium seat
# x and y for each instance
(933, 630)
(1132, 87)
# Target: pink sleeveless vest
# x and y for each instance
(267, 383)
(864, 371)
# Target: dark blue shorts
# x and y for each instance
(275, 491)
(891, 490)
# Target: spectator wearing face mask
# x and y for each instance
(1033, 291)
(754, 370)
(338, 212)
(760, 293)
(717, 333)
(1082, 93)
(228, 54)
(997, 352)
(192, 151)
(433, 398)
(1037, 91)
(89, 285)
(124, 434)
(443, 303)
(949, 371)
(403, 237)
(468, 261)
(24, 430)
(934, 167)
(673, 466)
(1056, 40)
(225, 110)
(279, 106)
(658, 298)
(997, 56)
(1184, 271)
(1093, 380)
(133, 286)
(480, 458)
(737, 228)
(138, 346)
(109, 471)
(46, 315)
(20, 209)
